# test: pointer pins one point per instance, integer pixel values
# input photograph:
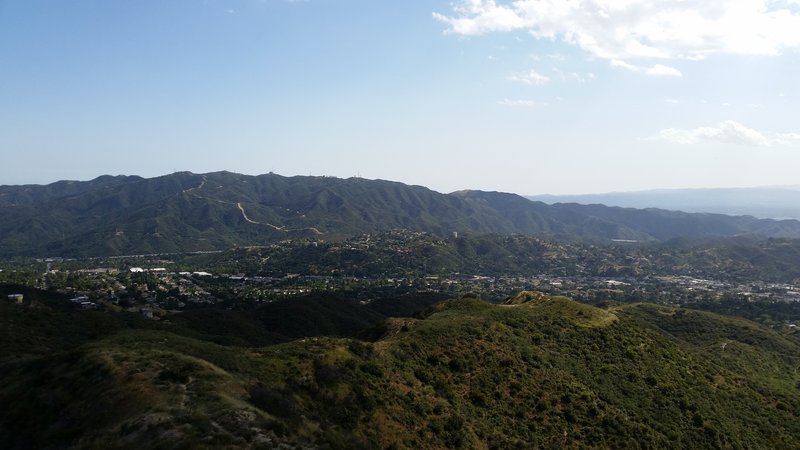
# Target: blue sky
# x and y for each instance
(530, 96)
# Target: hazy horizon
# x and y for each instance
(531, 96)
(524, 194)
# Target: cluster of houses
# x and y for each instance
(84, 302)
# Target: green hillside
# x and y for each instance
(185, 212)
(535, 372)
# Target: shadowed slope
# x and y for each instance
(537, 372)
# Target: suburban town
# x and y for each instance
(388, 265)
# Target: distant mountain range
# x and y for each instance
(185, 212)
(764, 202)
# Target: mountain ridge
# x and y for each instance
(184, 212)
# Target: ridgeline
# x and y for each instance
(185, 212)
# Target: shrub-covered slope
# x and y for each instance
(535, 372)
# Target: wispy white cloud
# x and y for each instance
(622, 64)
(519, 103)
(684, 101)
(658, 70)
(727, 132)
(574, 76)
(530, 77)
(635, 29)
(479, 16)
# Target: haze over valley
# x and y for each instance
(778, 202)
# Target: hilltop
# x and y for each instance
(536, 371)
(185, 212)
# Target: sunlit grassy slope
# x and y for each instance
(536, 372)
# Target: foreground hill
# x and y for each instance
(537, 372)
(190, 212)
